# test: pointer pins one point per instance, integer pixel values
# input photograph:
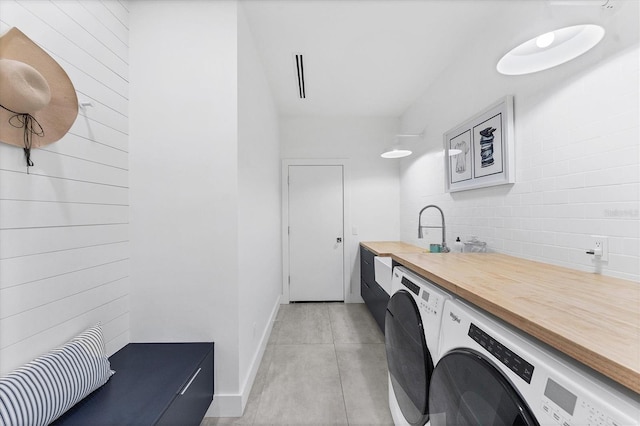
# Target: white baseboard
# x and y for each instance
(228, 405)
(232, 405)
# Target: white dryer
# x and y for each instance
(489, 373)
(412, 328)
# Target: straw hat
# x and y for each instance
(32, 84)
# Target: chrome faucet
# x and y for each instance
(444, 249)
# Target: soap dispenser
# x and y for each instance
(458, 246)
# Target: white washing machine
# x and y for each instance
(412, 328)
(492, 374)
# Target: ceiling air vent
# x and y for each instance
(300, 74)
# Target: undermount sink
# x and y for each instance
(382, 271)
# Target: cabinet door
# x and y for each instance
(193, 399)
(379, 305)
(367, 271)
(367, 293)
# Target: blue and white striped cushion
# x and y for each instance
(42, 390)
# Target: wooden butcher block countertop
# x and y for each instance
(387, 248)
(594, 319)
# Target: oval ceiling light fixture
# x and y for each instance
(396, 153)
(550, 49)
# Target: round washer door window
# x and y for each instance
(408, 358)
(467, 389)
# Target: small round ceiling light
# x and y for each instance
(399, 150)
(396, 153)
(550, 49)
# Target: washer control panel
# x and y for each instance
(566, 409)
(506, 356)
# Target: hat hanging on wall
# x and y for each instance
(38, 104)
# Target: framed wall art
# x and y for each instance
(480, 152)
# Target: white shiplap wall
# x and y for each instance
(64, 243)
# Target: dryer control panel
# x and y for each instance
(429, 301)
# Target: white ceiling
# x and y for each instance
(375, 57)
(361, 57)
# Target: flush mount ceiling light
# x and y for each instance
(398, 151)
(550, 49)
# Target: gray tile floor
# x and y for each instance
(325, 364)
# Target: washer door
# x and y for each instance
(467, 389)
(408, 358)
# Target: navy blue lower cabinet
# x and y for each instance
(154, 384)
(191, 404)
(373, 295)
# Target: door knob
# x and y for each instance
(339, 240)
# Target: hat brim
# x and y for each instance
(59, 115)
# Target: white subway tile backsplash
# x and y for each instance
(534, 224)
(584, 261)
(585, 226)
(629, 246)
(621, 157)
(623, 121)
(532, 198)
(555, 197)
(521, 235)
(629, 228)
(555, 253)
(571, 181)
(512, 246)
(544, 184)
(580, 243)
(616, 176)
(624, 138)
(555, 169)
(530, 250)
(615, 211)
(625, 264)
(512, 222)
(495, 222)
(502, 233)
(569, 211)
(504, 211)
(586, 195)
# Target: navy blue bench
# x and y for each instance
(154, 384)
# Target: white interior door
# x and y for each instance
(316, 226)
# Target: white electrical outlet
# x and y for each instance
(600, 247)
